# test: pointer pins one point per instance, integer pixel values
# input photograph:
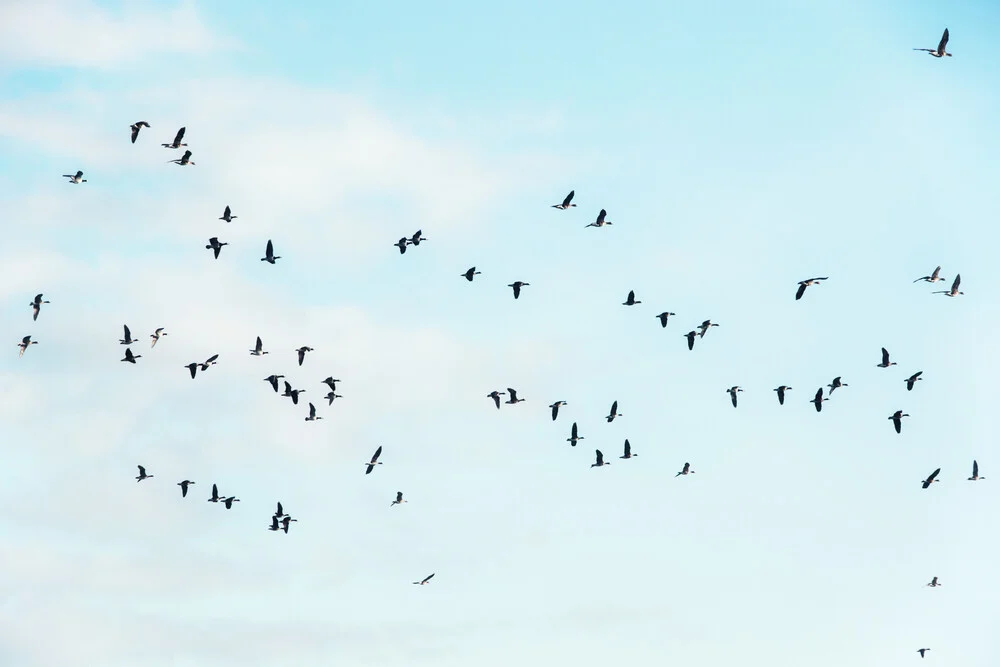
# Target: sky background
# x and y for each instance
(737, 147)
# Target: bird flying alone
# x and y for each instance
(954, 287)
(25, 342)
(566, 203)
(732, 394)
(517, 285)
(630, 299)
(215, 246)
(184, 487)
(931, 478)
(781, 393)
(269, 255)
(75, 178)
(975, 472)
(939, 52)
(424, 580)
(897, 420)
(686, 470)
(468, 275)
(374, 461)
(803, 284)
(227, 215)
(142, 474)
(135, 127)
(399, 499)
(885, 359)
(934, 583)
(36, 305)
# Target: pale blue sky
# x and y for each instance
(737, 151)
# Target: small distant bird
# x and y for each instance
(818, 399)
(690, 336)
(630, 299)
(975, 472)
(127, 340)
(897, 420)
(138, 125)
(292, 393)
(566, 202)
(470, 273)
(129, 357)
(910, 381)
(331, 383)
(312, 413)
(286, 522)
(184, 487)
(215, 494)
(922, 650)
(192, 368)
(156, 336)
(229, 502)
(258, 349)
(281, 512)
(331, 395)
(176, 143)
(184, 160)
(215, 246)
(424, 580)
(614, 412)
(732, 394)
(555, 409)
(374, 462)
(399, 499)
(939, 52)
(417, 238)
(513, 397)
(274, 524)
(401, 244)
(302, 353)
(573, 436)
(781, 393)
(663, 317)
(211, 361)
(885, 359)
(954, 287)
(601, 221)
(269, 255)
(273, 379)
(25, 342)
(75, 178)
(36, 305)
(628, 451)
(600, 460)
(934, 583)
(495, 395)
(142, 474)
(686, 470)
(933, 278)
(517, 285)
(227, 215)
(836, 384)
(803, 284)
(705, 326)
(930, 479)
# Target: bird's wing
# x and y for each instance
(180, 135)
(885, 356)
(187, 155)
(128, 334)
(934, 474)
(928, 50)
(614, 408)
(975, 468)
(944, 41)
(958, 281)
(800, 291)
(142, 471)
(288, 387)
(568, 198)
(513, 393)
(211, 358)
(270, 248)
(936, 272)
(819, 394)
(600, 456)
(378, 452)
(628, 447)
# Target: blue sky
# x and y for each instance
(737, 151)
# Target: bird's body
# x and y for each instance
(686, 470)
(663, 317)
(574, 437)
(156, 336)
(312, 413)
(184, 487)
(566, 203)
(424, 580)
(517, 285)
(142, 474)
(630, 299)
(468, 275)
(803, 284)
(178, 138)
(818, 399)
(732, 394)
(600, 460)
(939, 52)
(135, 127)
(258, 349)
(513, 399)
(885, 359)
(75, 178)
(374, 461)
(954, 287)
(628, 451)
(930, 479)
(269, 255)
(273, 379)
(555, 409)
(975, 472)
(227, 215)
(897, 420)
(399, 499)
(836, 384)
(36, 305)
(183, 160)
(614, 412)
(933, 278)
(601, 220)
(910, 381)
(129, 357)
(25, 342)
(495, 395)
(215, 246)
(781, 393)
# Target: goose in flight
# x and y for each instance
(513, 397)
(374, 462)
(555, 409)
(142, 474)
(229, 501)
(934, 583)
(686, 470)
(690, 336)
(156, 336)
(227, 215)
(628, 451)
(184, 160)
(975, 472)
(184, 487)
(281, 512)
(312, 413)
(470, 273)
(331, 396)
(135, 127)
(215, 494)
(424, 580)
(417, 237)
(401, 244)
(286, 522)
(566, 203)
(836, 384)
(127, 340)
(274, 524)
(931, 478)
(954, 287)
(803, 284)
(269, 255)
(178, 138)
(75, 178)
(885, 359)
(258, 349)
(630, 299)
(573, 436)
(331, 383)
(601, 220)
(921, 651)
(732, 393)
(36, 305)
(129, 357)
(939, 52)
(781, 394)
(211, 361)
(897, 420)
(302, 353)
(192, 368)
(614, 412)
(705, 326)
(600, 460)
(912, 380)
(273, 379)
(818, 400)
(399, 499)
(517, 285)
(933, 278)
(495, 395)
(663, 317)
(25, 342)
(215, 246)
(292, 393)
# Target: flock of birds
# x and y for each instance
(280, 520)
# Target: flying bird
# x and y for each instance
(566, 202)
(781, 394)
(470, 273)
(211, 361)
(36, 305)
(601, 221)
(331, 395)
(25, 342)
(663, 317)
(312, 413)
(75, 178)
(517, 285)
(215, 494)
(192, 368)
(129, 357)
(229, 501)
(513, 397)
(495, 395)
(628, 451)
(142, 474)
(273, 379)
(127, 340)
(686, 470)
(399, 499)
(885, 359)
(939, 52)
(227, 215)
(614, 412)
(732, 394)
(176, 143)
(269, 255)
(374, 462)
(302, 353)
(836, 384)
(281, 512)
(975, 472)
(910, 381)
(331, 383)
(274, 524)
(424, 580)
(555, 409)
(417, 237)
(922, 650)
(690, 336)
(818, 399)
(897, 420)
(292, 393)
(184, 487)
(630, 299)
(401, 244)
(258, 349)
(573, 436)
(600, 460)
(803, 284)
(930, 479)
(286, 522)
(215, 246)
(135, 127)
(156, 336)
(184, 160)
(934, 583)
(933, 278)
(954, 287)
(705, 326)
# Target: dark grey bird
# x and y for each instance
(630, 299)
(614, 412)
(954, 287)
(292, 393)
(374, 461)
(211, 361)
(399, 499)
(690, 335)
(495, 395)
(215, 246)
(258, 349)
(178, 138)
(215, 494)
(517, 285)
(600, 460)
(36, 305)
(470, 273)
(127, 340)
(286, 522)
(781, 393)
(975, 472)
(803, 284)
(885, 359)
(897, 420)
(229, 501)
(566, 202)
(331, 382)
(921, 651)
(417, 237)
(281, 512)
(25, 342)
(274, 524)
(424, 580)
(227, 215)
(732, 393)
(663, 317)
(75, 178)
(183, 160)
(601, 220)
(302, 353)
(934, 583)
(705, 326)
(628, 451)
(686, 470)
(273, 379)
(912, 380)
(933, 278)
(818, 399)
(129, 357)
(135, 127)
(269, 255)
(184, 487)
(312, 413)
(193, 368)
(939, 52)
(513, 399)
(836, 384)
(555, 409)
(573, 436)
(931, 478)
(142, 474)
(401, 244)
(331, 396)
